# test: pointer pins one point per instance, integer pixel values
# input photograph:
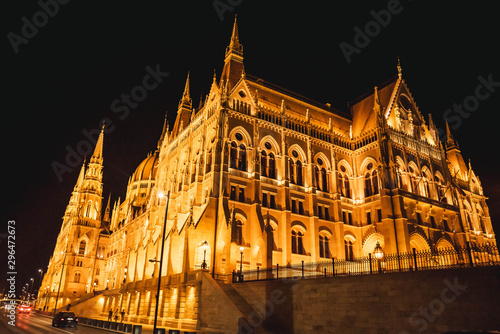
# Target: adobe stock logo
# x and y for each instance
(461, 111)
(372, 29)
(29, 29)
(420, 320)
(121, 107)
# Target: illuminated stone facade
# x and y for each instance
(283, 178)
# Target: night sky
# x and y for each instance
(64, 79)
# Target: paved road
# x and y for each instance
(39, 324)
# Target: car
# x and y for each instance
(24, 309)
(63, 319)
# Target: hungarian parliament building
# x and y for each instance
(258, 176)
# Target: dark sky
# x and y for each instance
(64, 79)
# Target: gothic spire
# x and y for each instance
(97, 156)
(186, 97)
(234, 43)
(233, 61)
(163, 132)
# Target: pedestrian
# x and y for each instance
(110, 315)
(67, 308)
(123, 314)
(116, 315)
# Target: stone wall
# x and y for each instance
(400, 303)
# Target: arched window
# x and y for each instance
(271, 166)
(295, 171)
(237, 232)
(77, 277)
(238, 156)
(98, 271)
(368, 185)
(242, 158)
(298, 178)
(297, 242)
(208, 167)
(292, 171)
(324, 180)
(234, 155)
(83, 246)
(267, 163)
(349, 254)
(263, 163)
(324, 246)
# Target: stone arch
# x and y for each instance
(325, 159)
(325, 229)
(366, 161)
(418, 242)
(302, 155)
(275, 147)
(347, 166)
(247, 139)
(444, 243)
(349, 236)
(400, 162)
(297, 224)
(371, 241)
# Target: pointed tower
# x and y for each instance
(184, 110)
(456, 162)
(233, 61)
(78, 245)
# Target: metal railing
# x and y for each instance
(444, 258)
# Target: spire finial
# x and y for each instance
(185, 95)
(234, 43)
(399, 68)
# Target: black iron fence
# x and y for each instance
(444, 258)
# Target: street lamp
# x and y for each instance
(31, 288)
(205, 247)
(160, 196)
(241, 262)
(60, 281)
(378, 253)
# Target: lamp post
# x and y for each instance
(378, 253)
(60, 281)
(241, 263)
(205, 247)
(32, 282)
(160, 195)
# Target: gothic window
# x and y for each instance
(295, 169)
(349, 253)
(241, 195)
(371, 181)
(343, 184)
(208, 167)
(263, 163)
(445, 225)
(321, 175)
(77, 277)
(232, 195)
(271, 166)
(233, 155)
(324, 246)
(433, 222)
(272, 201)
(242, 158)
(83, 246)
(267, 163)
(297, 242)
(237, 232)
(97, 271)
